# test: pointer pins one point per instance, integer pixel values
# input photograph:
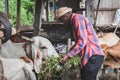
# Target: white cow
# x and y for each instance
(16, 50)
(17, 69)
(12, 50)
(41, 48)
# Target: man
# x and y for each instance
(86, 45)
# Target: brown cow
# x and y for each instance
(113, 55)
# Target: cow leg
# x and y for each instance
(29, 73)
(101, 72)
(104, 69)
(20, 75)
(1, 72)
(1, 67)
(24, 74)
(2, 77)
(116, 70)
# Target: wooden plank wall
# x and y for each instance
(106, 12)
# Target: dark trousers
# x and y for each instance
(90, 70)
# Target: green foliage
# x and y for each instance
(27, 7)
(49, 68)
(2, 8)
(52, 69)
(74, 62)
(26, 13)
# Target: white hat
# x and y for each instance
(61, 11)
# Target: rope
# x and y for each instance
(116, 28)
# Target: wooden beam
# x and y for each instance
(37, 18)
(106, 9)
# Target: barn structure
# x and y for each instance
(102, 14)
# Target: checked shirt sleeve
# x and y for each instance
(80, 34)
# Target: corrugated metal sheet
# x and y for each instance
(106, 12)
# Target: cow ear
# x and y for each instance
(104, 46)
(37, 61)
(43, 47)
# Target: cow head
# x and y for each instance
(41, 49)
(104, 48)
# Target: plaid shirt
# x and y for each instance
(85, 37)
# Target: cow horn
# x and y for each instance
(28, 39)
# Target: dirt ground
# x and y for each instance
(112, 74)
(109, 76)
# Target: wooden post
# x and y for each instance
(54, 8)
(0, 45)
(37, 18)
(18, 15)
(89, 10)
(47, 9)
(68, 45)
(6, 7)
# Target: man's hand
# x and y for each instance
(65, 59)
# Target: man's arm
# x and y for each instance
(79, 27)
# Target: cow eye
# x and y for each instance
(43, 59)
(43, 47)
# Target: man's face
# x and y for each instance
(64, 19)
